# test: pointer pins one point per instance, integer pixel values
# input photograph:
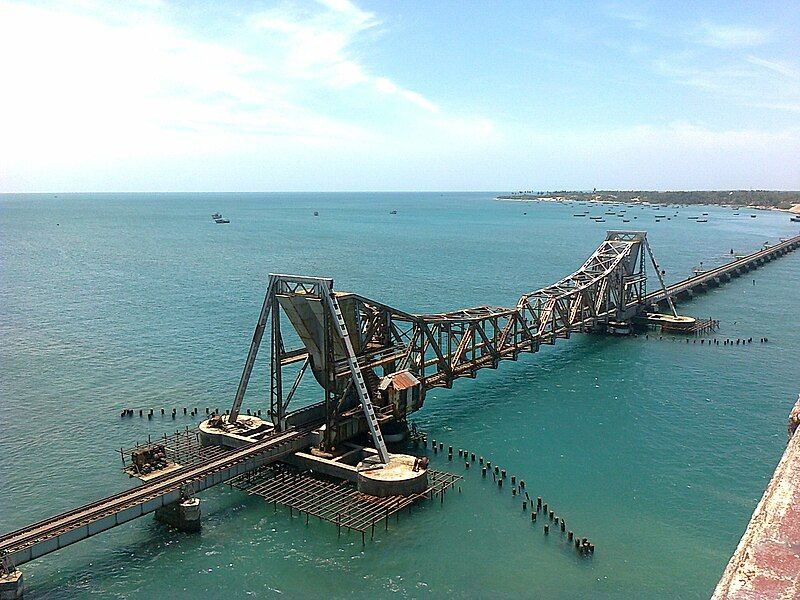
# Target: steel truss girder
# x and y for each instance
(440, 348)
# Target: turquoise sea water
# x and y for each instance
(655, 450)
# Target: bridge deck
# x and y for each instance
(735, 268)
(67, 528)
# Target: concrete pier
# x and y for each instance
(12, 585)
(183, 515)
(402, 475)
(766, 563)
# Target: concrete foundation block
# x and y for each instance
(183, 515)
(11, 585)
(398, 477)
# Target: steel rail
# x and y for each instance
(58, 524)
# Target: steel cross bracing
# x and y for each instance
(434, 349)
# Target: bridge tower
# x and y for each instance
(328, 331)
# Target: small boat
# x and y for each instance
(316, 213)
(752, 216)
(658, 220)
(580, 215)
(222, 220)
(216, 216)
(702, 220)
(394, 212)
(660, 216)
(795, 219)
(626, 220)
(694, 217)
(705, 214)
(735, 214)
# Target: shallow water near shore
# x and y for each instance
(655, 449)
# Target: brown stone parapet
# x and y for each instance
(766, 563)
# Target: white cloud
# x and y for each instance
(754, 82)
(90, 83)
(79, 81)
(679, 155)
(730, 37)
(385, 86)
(318, 45)
(781, 67)
(634, 19)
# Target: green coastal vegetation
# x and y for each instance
(760, 198)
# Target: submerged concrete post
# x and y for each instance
(12, 585)
(183, 515)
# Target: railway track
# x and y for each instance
(14, 544)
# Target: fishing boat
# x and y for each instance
(221, 220)
(702, 220)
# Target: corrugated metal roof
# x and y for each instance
(403, 380)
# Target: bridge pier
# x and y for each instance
(12, 585)
(183, 515)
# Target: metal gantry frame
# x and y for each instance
(352, 343)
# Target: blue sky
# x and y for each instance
(338, 95)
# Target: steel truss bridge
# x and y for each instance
(368, 353)
(375, 362)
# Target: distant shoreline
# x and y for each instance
(766, 200)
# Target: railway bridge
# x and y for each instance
(374, 364)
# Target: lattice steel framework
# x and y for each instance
(436, 349)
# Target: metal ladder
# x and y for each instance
(358, 378)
